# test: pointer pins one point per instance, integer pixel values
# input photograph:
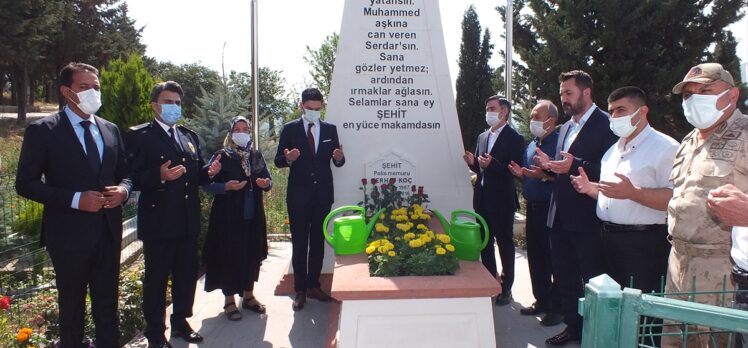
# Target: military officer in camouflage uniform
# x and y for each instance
(713, 154)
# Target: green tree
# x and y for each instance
(473, 83)
(322, 61)
(194, 78)
(27, 32)
(232, 96)
(125, 92)
(650, 44)
(725, 53)
(93, 32)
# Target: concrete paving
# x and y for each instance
(282, 327)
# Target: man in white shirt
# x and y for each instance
(730, 205)
(633, 193)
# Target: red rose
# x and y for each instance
(384, 187)
(5, 302)
(363, 181)
(420, 189)
(413, 188)
(373, 181)
(392, 181)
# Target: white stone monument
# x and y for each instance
(392, 101)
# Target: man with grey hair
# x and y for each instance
(537, 188)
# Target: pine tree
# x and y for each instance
(725, 53)
(125, 92)
(473, 83)
(214, 111)
(649, 44)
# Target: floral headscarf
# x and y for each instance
(232, 148)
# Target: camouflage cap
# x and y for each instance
(705, 73)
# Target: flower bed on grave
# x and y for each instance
(402, 244)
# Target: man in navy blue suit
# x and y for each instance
(308, 145)
(494, 196)
(572, 217)
(74, 163)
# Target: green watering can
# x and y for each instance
(465, 234)
(349, 232)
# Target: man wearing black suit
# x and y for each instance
(74, 163)
(307, 146)
(572, 217)
(494, 195)
(167, 168)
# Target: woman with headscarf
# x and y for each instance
(236, 242)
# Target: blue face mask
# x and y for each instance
(171, 113)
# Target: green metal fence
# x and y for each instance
(628, 318)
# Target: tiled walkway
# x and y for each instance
(281, 327)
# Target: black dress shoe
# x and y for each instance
(318, 294)
(161, 344)
(534, 309)
(563, 338)
(188, 335)
(551, 319)
(504, 299)
(299, 301)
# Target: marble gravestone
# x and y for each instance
(391, 99)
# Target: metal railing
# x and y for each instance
(628, 318)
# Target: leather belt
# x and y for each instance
(740, 276)
(612, 227)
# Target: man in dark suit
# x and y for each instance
(167, 168)
(307, 146)
(494, 195)
(572, 217)
(74, 163)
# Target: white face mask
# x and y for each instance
(701, 110)
(536, 128)
(621, 126)
(312, 116)
(492, 118)
(241, 139)
(90, 101)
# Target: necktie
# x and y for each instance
(310, 137)
(92, 152)
(174, 140)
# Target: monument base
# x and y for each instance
(414, 311)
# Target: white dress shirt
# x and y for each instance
(315, 132)
(647, 161)
(166, 128)
(576, 127)
(75, 121)
(739, 251)
(492, 136)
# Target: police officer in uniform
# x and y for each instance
(167, 168)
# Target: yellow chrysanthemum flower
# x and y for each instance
(415, 243)
(370, 249)
(440, 251)
(375, 243)
(422, 227)
(450, 247)
(391, 253)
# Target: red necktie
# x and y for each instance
(310, 137)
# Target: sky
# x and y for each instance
(206, 30)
